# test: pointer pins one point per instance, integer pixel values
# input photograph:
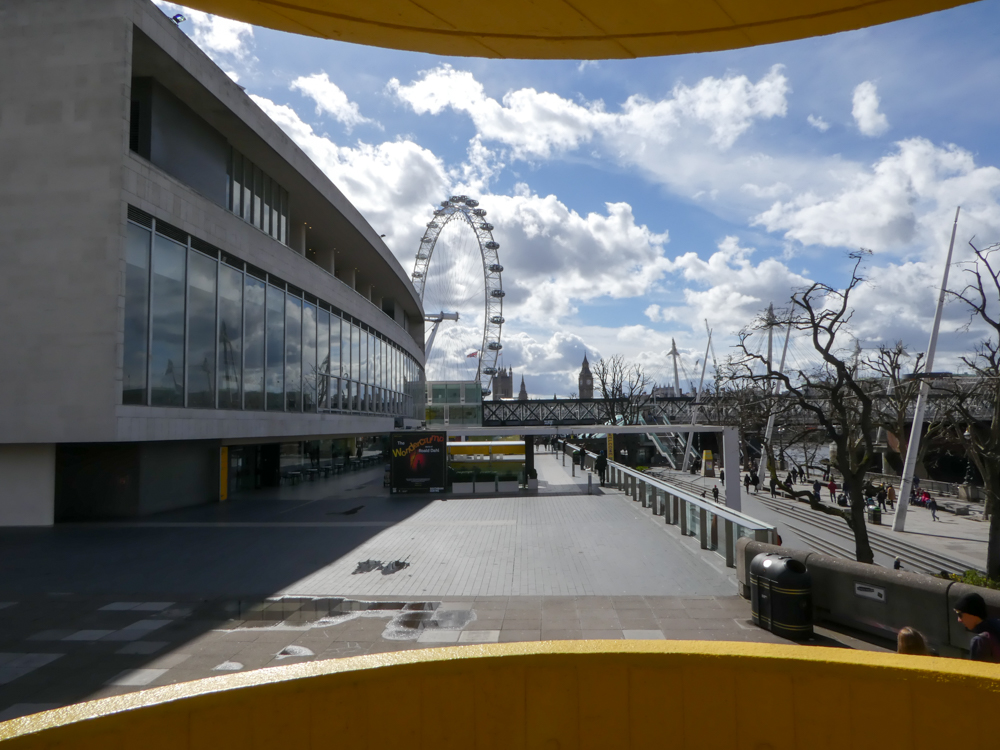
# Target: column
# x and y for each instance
(28, 487)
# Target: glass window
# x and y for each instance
(335, 394)
(236, 186)
(136, 315)
(275, 373)
(253, 355)
(335, 366)
(247, 190)
(201, 334)
(258, 189)
(293, 353)
(265, 214)
(363, 369)
(283, 229)
(230, 336)
(355, 352)
(323, 359)
(275, 210)
(167, 344)
(438, 394)
(473, 393)
(308, 357)
(454, 394)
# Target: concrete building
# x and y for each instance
(585, 383)
(189, 306)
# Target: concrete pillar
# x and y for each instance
(27, 485)
(731, 463)
(683, 516)
(529, 455)
(703, 527)
(642, 493)
(348, 277)
(730, 545)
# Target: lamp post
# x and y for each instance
(913, 447)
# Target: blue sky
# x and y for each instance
(634, 199)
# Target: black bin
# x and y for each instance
(781, 595)
(875, 516)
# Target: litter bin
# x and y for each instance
(875, 516)
(781, 595)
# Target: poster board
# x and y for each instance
(418, 462)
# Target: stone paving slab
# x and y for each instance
(36, 675)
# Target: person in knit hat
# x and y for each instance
(971, 611)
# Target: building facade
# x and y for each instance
(585, 383)
(503, 384)
(190, 306)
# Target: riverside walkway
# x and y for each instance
(340, 568)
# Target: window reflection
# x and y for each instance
(230, 336)
(293, 353)
(136, 315)
(201, 330)
(167, 341)
(275, 373)
(204, 328)
(308, 357)
(253, 362)
(323, 359)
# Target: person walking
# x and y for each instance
(715, 493)
(985, 645)
(890, 496)
(755, 481)
(881, 497)
(932, 504)
(722, 476)
(746, 482)
(833, 490)
(817, 488)
(774, 485)
(601, 464)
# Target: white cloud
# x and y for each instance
(541, 124)
(818, 122)
(219, 37)
(732, 289)
(330, 99)
(870, 121)
(393, 184)
(904, 202)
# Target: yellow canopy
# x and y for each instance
(568, 29)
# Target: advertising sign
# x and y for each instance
(419, 461)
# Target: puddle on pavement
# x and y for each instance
(406, 619)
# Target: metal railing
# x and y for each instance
(716, 526)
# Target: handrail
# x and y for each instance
(722, 511)
(658, 442)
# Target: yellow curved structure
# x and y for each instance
(564, 695)
(565, 29)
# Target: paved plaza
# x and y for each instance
(339, 568)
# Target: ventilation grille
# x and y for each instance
(168, 230)
(204, 247)
(140, 217)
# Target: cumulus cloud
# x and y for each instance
(393, 184)
(903, 202)
(728, 289)
(818, 122)
(870, 121)
(330, 99)
(542, 124)
(219, 37)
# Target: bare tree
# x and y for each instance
(894, 404)
(834, 392)
(976, 402)
(625, 390)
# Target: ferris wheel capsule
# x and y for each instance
(496, 268)
(494, 346)
(471, 203)
(497, 320)
(487, 227)
(479, 212)
(491, 245)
